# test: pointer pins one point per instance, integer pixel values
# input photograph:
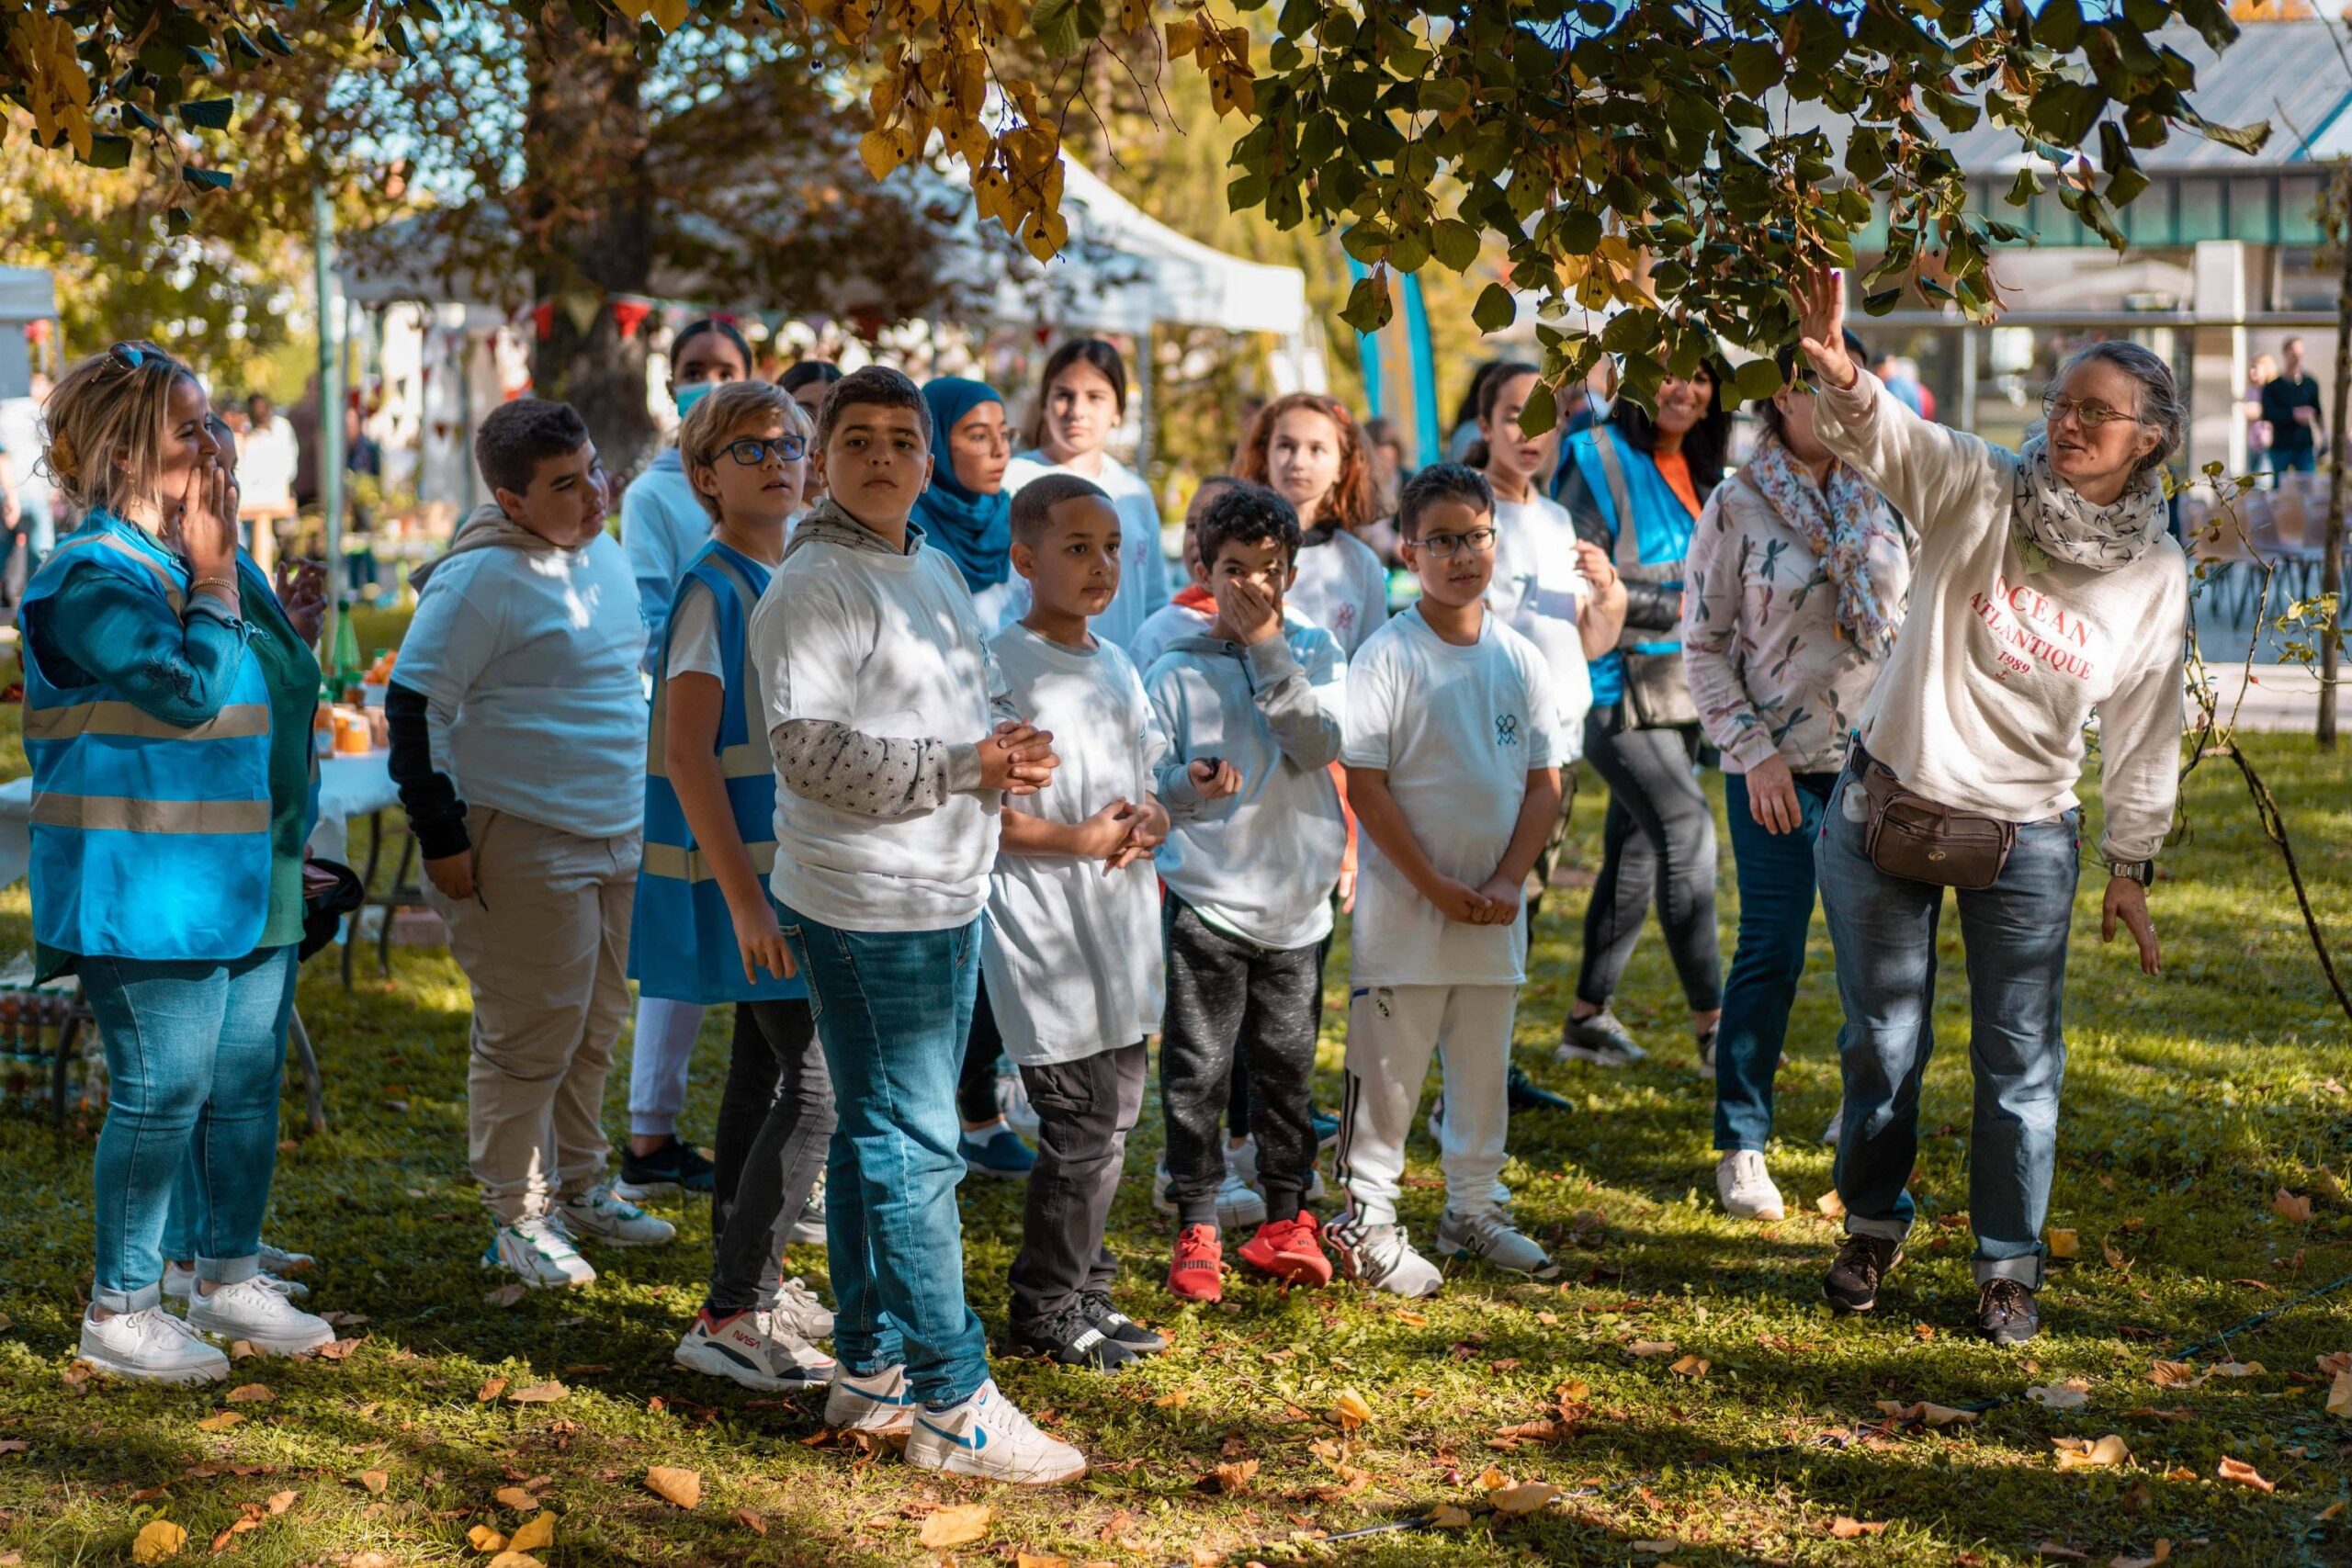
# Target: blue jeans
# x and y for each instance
(892, 1010)
(1884, 929)
(1775, 872)
(195, 1052)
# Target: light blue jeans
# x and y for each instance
(892, 1010)
(1775, 872)
(1884, 929)
(195, 1053)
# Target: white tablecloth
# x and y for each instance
(348, 787)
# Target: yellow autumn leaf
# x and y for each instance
(491, 1388)
(158, 1540)
(2339, 1395)
(375, 1481)
(1174, 1399)
(879, 150)
(2065, 1244)
(1417, 1319)
(1037, 1560)
(2244, 1474)
(682, 1488)
(539, 1393)
(1527, 1497)
(2292, 1206)
(2077, 1453)
(1045, 234)
(485, 1539)
(220, 1422)
(1830, 1204)
(280, 1501)
(539, 1532)
(1691, 1367)
(2172, 1374)
(1134, 15)
(1449, 1516)
(1183, 36)
(751, 1519)
(1650, 1347)
(2335, 1510)
(957, 1526)
(251, 1393)
(2072, 1394)
(1349, 1411)
(515, 1560)
(669, 15)
(515, 1497)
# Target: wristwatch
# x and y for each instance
(2142, 872)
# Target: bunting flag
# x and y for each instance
(630, 314)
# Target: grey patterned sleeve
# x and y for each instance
(873, 775)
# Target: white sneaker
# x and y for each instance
(1382, 1258)
(598, 1215)
(1836, 1128)
(537, 1252)
(1238, 1205)
(795, 1306)
(753, 1350)
(1747, 1187)
(1490, 1237)
(264, 1318)
(879, 1404)
(1012, 1103)
(809, 1230)
(1241, 1161)
(151, 1347)
(987, 1438)
(180, 1281)
(278, 1260)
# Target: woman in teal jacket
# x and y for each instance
(168, 698)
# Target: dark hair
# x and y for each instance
(1768, 412)
(1440, 481)
(810, 373)
(1034, 503)
(1704, 445)
(877, 386)
(709, 324)
(1249, 514)
(516, 437)
(1491, 382)
(1091, 351)
(1349, 502)
(1467, 409)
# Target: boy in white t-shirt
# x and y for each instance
(1071, 950)
(1452, 756)
(893, 745)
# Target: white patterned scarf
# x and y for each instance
(1849, 526)
(2050, 520)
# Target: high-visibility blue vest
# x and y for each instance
(148, 840)
(682, 940)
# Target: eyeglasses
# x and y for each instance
(2090, 416)
(1478, 541)
(750, 452)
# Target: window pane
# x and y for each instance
(2200, 210)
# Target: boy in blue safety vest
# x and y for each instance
(707, 930)
(893, 744)
(518, 685)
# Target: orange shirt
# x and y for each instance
(1675, 469)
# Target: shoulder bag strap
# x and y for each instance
(1628, 548)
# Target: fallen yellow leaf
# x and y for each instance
(1831, 1206)
(242, 1350)
(1235, 1476)
(2244, 1474)
(1692, 1365)
(515, 1497)
(1492, 1480)
(220, 1422)
(2332, 1511)
(516, 1559)
(545, 1392)
(2163, 1554)
(681, 1487)
(280, 1501)
(158, 1540)
(1033, 1560)
(1349, 1411)
(2076, 1453)
(751, 1519)
(1176, 1399)
(1527, 1497)
(2339, 1395)
(386, 1560)
(2289, 1206)
(1418, 1320)
(1655, 1548)
(491, 1388)
(1650, 1347)
(2172, 1374)
(1846, 1528)
(251, 1393)
(485, 1539)
(1933, 1415)
(2072, 1394)
(958, 1526)
(2065, 1244)
(375, 1481)
(1449, 1516)
(539, 1532)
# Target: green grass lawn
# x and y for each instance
(2192, 1099)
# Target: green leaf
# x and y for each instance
(1442, 92)
(1755, 65)
(177, 220)
(1456, 243)
(209, 114)
(1880, 303)
(1247, 192)
(1369, 308)
(1367, 242)
(1757, 379)
(109, 153)
(1055, 23)
(208, 179)
(1540, 412)
(1579, 232)
(1497, 309)
(2027, 185)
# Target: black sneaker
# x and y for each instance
(1526, 1094)
(1601, 1040)
(1118, 1327)
(672, 1168)
(1070, 1338)
(1852, 1284)
(2005, 1311)
(1707, 1055)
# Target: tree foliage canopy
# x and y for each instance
(1654, 170)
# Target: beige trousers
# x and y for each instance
(544, 944)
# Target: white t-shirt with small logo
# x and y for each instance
(1457, 729)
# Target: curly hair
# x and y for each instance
(1249, 514)
(1348, 504)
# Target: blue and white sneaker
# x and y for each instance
(996, 1150)
(598, 1214)
(537, 1252)
(879, 1404)
(986, 1436)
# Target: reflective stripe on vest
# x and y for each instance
(124, 719)
(690, 865)
(104, 541)
(121, 814)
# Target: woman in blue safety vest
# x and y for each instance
(168, 701)
(706, 929)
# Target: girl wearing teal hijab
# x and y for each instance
(965, 511)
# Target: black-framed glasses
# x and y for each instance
(1478, 541)
(2090, 416)
(750, 452)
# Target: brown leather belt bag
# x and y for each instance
(1909, 835)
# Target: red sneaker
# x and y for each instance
(1289, 1249)
(1196, 1274)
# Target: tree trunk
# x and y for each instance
(587, 222)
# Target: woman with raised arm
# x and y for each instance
(2047, 595)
